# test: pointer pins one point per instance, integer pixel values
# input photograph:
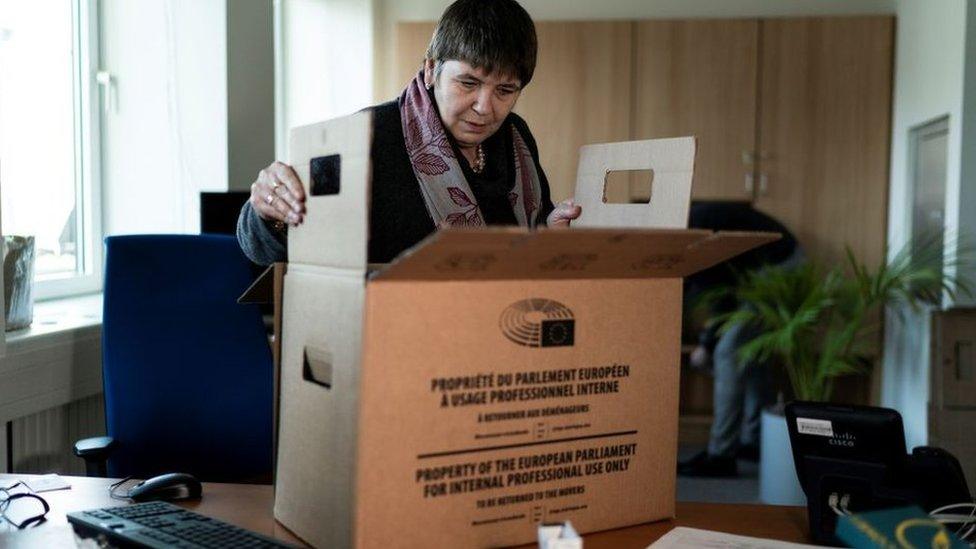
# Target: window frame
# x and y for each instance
(87, 157)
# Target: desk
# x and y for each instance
(249, 506)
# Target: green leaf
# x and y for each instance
(817, 322)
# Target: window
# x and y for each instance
(48, 140)
(929, 146)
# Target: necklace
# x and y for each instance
(479, 162)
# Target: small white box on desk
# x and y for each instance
(559, 536)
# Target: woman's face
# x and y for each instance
(472, 103)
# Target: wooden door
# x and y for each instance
(579, 94)
(699, 77)
(411, 45)
(825, 131)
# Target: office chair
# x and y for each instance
(187, 371)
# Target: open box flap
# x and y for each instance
(268, 288)
(332, 160)
(513, 253)
(672, 163)
(260, 291)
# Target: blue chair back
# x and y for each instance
(187, 370)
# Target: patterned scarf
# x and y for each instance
(446, 192)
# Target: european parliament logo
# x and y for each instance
(538, 322)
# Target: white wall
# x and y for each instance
(166, 138)
(3, 327)
(930, 56)
(327, 57)
(250, 91)
(194, 109)
(390, 12)
(961, 200)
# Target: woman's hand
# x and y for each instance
(278, 195)
(565, 211)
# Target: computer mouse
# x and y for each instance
(169, 487)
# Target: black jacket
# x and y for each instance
(718, 215)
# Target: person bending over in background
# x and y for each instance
(741, 390)
(448, 151)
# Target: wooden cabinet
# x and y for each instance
(792, 114)
(698, 77)
(825, 132)
(411, 46)
(580, 93)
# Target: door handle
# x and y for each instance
(106, 82)
(748, 157)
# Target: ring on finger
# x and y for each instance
(275, 184)
(270, 198)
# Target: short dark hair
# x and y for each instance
(488, 34)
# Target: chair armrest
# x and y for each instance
(95, 452)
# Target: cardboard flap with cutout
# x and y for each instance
(607, 241)
(332, 160)
(672, 162)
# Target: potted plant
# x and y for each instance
(819, 323)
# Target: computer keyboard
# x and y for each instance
(159, 524)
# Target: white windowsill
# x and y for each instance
(57, 360)
(58, 320)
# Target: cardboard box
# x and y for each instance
(952, 430)
(952, 387)
(487, 380)
(952, 359)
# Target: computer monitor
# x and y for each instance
(218, 215)
(849, 433)
(853, 458)
(219, 211)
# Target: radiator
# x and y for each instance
(42, 442)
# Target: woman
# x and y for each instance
(448, 151)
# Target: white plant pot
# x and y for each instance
(778, 484)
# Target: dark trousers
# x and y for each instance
(741, 392)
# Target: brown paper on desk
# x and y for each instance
(487, 380)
